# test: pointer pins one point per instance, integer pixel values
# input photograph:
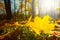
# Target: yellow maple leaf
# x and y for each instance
(40, 24)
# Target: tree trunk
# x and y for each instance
(8, 9)
(33, 9)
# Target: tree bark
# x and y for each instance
(8, 9)
(33, 9)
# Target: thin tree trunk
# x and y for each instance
(32, 8)
(38, 9)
